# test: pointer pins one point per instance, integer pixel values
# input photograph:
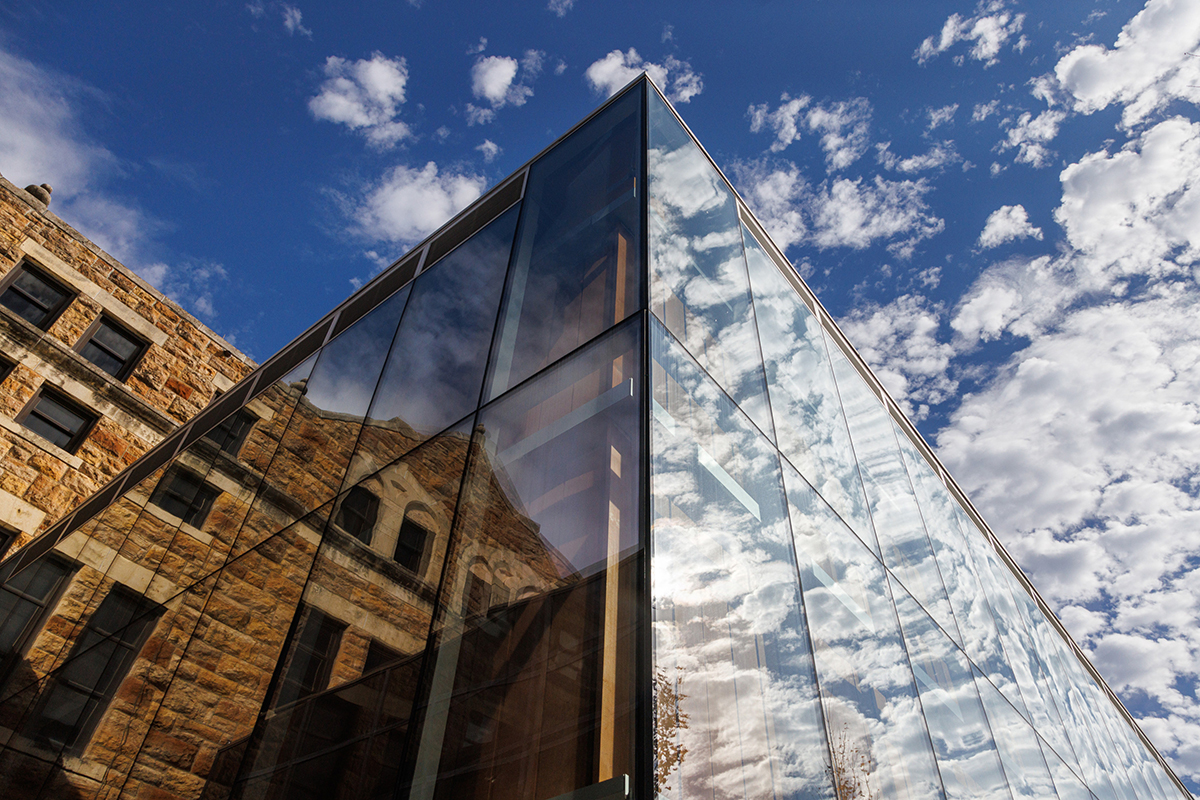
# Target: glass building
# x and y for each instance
(585, 497)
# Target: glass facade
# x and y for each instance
(598, 504)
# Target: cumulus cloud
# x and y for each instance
(844, 127)
(365, 96)
(901, 343)
(837, 213)
(1007, 224)
(408, 204)
(1148, 67)
(988, 30)
(494, 81)
(1030, 135)
(676, 78)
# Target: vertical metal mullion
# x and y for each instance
(643, 783)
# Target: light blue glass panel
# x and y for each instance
(1019, 646)
(877, 735)
(809, 423)
(737, 711)
(902, 540)
(962, 741)
(1017, 744)
(967, 600)
(698, 283)
(1066, 783)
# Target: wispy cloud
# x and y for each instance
(988, 30)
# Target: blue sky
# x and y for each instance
(1000, 202)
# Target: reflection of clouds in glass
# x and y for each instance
(727, 609)
(808, 416)
(867, 687)
(684, 182)
(348, 369)
(1017, 745)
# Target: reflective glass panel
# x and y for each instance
(532, 688)
(1066, 783)
(967, 600)
(435, 371)
(314, 452)
(698, 283)
(902, 540)
(809, 423)
(877, 734)
(962, 741)
(1017, 744)
(576, 270)
(737, 712)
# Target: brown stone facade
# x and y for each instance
(183, 366)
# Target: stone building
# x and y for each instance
(96, 366)
(586, 497)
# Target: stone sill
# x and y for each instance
(17, 429)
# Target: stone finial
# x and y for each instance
(42, 192)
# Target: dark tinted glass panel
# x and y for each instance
(877, 734)
(79, 691)
(532, 688)
(112, 349)
(809, 422)
(962, 740)
(698, 283)
(311, 659)
(35, 297)
(898, 524)
(737, 712)
(576, 269)
(24, 602)
(435, 371)
(310, 461)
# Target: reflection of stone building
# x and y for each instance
(96, 366)
(586, 495)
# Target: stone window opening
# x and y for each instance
(111, 347)
(358, 514)
(58, 419)
(34, 296)
(182, 493)
(411, 542)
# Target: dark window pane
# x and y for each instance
(357, 514)
(311, 659)
(78, 693)
(410, 544)
(36, 297)
(58, 420)
(185, 495)
(576, 267)
(6, 368)
(231, 432)
(112, 349)
(24, 602)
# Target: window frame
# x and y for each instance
(44, 607)
(141, 624)
(198, 507)
(367, 520)
(51, 313)
(127, 365)
(230, 445)
(70, 404)
(409, 522)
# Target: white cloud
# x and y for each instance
(1030, 136)
(942, 116)
(844, 127)
(1006, 224)
(407, 204)
(1147, 68)
(494, 80)
(292, 21)
(489, 149)
(365, 96)
(476, 49)
(982, 111)
(785, 120)
(989, 29)
(560, 7)
(676, 78)
(839, 213)
(938, 156)
(900, 342)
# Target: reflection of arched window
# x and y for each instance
(357, 514)
(479, 588)
(410, 544)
